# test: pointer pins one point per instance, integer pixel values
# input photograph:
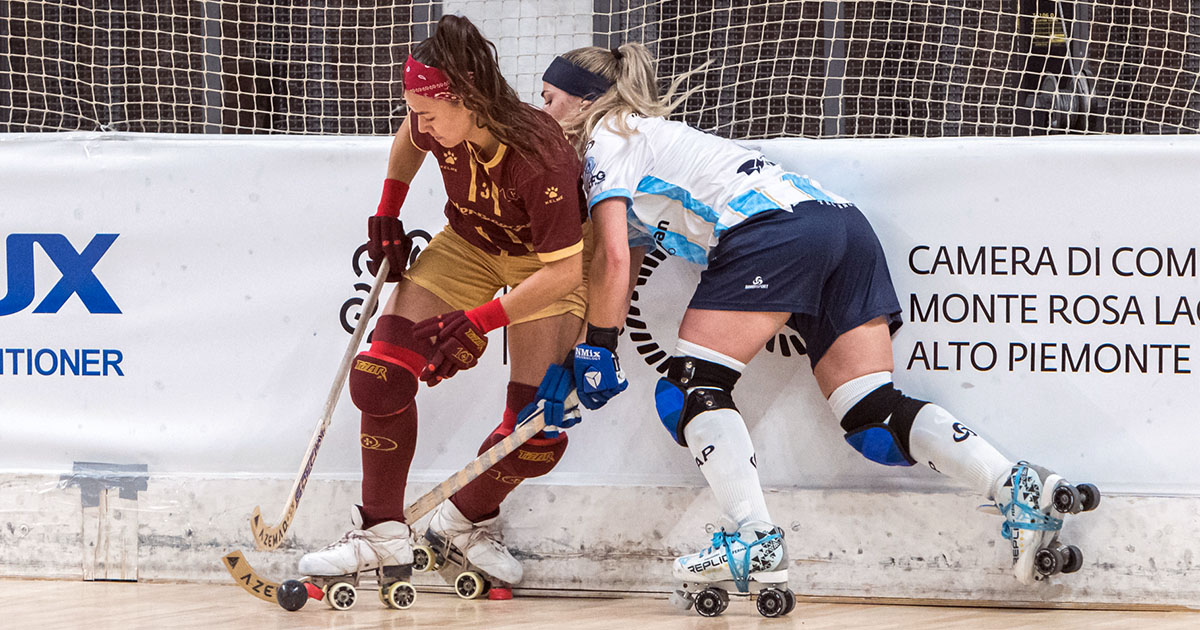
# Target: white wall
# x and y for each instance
(233, 261)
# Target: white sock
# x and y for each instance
(937, 438)
(724, 452)
(721, 445)
(949, 447)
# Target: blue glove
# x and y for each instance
(598, 375)
(551, 396)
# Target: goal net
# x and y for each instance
(778, 68)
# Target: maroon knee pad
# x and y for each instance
(383, 380)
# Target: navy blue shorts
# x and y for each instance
(821, 262)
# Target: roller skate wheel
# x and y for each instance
(468, 585)
(1074, 559)
(680, 599)
(399, 595)
(341, 595)
(791, 600)
(1066, 499)
(1089, 496)
(771, 603)
(291, 595)
(422, 559)
(711, 602)
(499, 593)
(1048, 561)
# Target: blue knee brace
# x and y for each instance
(691, 387)
(879, 426)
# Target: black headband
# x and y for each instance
(575, 80)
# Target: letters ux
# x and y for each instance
(75, 267)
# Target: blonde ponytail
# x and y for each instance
(631, 68)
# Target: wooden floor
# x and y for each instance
(51, 605)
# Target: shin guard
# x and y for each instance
(481, 498)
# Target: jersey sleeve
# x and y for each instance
(613, 165)
(553, 204)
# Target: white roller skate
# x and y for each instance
(1033, 501)
(383, 551)
(471, 556)
(754, 553)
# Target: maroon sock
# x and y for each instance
(389, 441)
(388, 444)
(481, 498)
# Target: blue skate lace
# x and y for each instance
(741, 574)
(1037, 520)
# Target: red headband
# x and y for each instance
(427, 81)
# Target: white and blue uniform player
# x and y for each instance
(779, 250)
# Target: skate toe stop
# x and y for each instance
(499, 593)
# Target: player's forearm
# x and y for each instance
(609, 282)
(636, 254)
(544, 287)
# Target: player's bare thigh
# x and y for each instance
(863, 350)
(737, 334)
(414, 303)
(534, 345)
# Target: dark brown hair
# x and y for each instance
(470, 61)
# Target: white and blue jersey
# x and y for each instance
(685, 188)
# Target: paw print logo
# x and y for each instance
(448, 156)
(552, 194)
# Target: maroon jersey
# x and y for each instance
(510, 203)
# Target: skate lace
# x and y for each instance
(349, 538)
(1033, 518)
(489, 535)
(738, 567)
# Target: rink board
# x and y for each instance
(177, 306)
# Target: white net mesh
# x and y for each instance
(781, 68)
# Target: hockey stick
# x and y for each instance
(489, 458)
(246, 577)
(266, 536)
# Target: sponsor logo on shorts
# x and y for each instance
(533, 456)
(642, 332)
(757, 284)
(379, 371)
(373, 443)
(552, 195)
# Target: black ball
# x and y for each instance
(291, 595)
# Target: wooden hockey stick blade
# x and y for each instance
(531, 427)
(267, 536)
(247, 578)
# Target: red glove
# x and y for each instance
(385, 232)
(459, 339)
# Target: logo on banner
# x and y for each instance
(786, 343)
(350, 311)
(76, 269)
